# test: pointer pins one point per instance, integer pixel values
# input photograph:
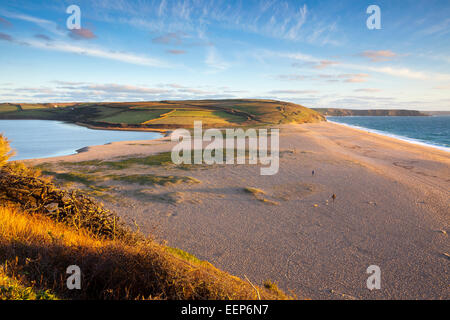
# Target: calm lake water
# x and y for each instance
(43, 138)
(432, 131)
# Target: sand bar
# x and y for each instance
(391, 210)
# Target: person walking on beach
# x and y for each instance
(313, 172)
(333, 197)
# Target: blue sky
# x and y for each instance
(316, 53)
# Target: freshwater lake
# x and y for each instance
(44, 138)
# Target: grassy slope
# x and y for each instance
(35, 252)
(167, 114)
(36, 249)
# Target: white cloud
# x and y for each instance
(378, 56)
(162, 8)
(63, 91)
(100, 53)
(293, 32)
(325, 63)
(293, 92)
(442, 87)
(296, 56)
(354, 77)
(371, 90)
(399, 72)
(115, 88)
(44, 24)
(290, 77)
(440, 28)
(402, 72)
(214, 61)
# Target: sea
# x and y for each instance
(433, 131)
(32, 139)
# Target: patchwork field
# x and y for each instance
(166, 114)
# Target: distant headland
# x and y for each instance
(373, 112)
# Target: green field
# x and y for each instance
(34, 106)
(162, 115)
(6, 107)
(133, 116)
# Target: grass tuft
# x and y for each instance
(11, 289)
(254, 191)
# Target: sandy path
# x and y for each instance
(391, 210)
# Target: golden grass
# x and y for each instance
(5, 150)
(267, 201)
(164, 115)
(38, 250)
(254, 191)
(258, 194)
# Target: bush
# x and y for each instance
(5, 150)
(34, 194)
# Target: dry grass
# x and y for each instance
(37, 195)
(254, 191)
(38, 250)
(258, 194)
(267, 201)
(44, 230)
(5, 150)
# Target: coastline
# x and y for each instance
(64, 138)
(90, 150)
(110, 151)
(394, 136)
(162, 131)
(391, 210)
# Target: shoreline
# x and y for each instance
(391, 210)
(166, 134)
(92, 127)
(393, 136)
(109, 151)
(73, 147)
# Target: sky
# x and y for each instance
(318, 54)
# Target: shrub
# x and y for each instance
(24, 187)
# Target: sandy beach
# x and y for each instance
(391, 210)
